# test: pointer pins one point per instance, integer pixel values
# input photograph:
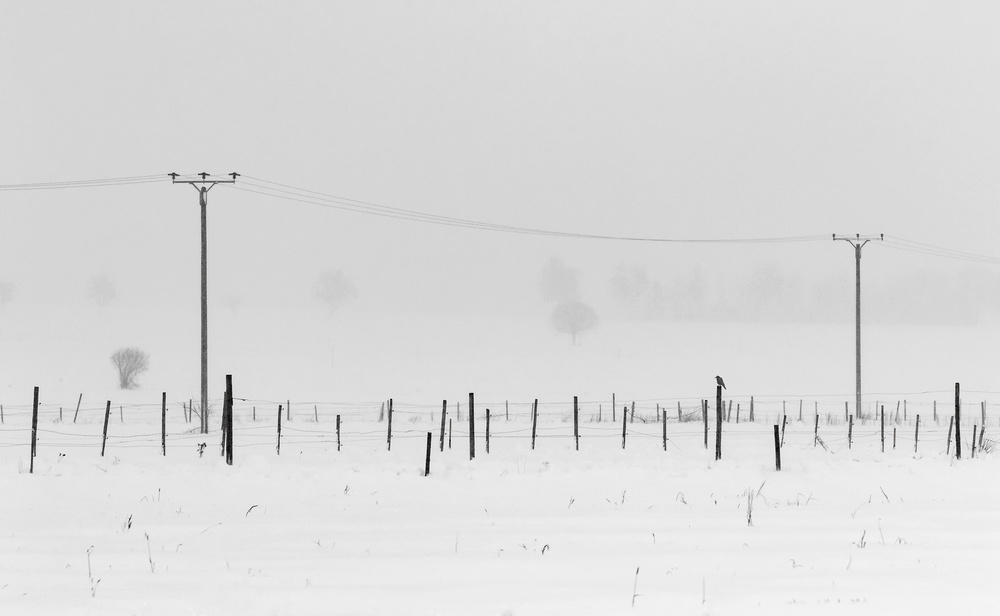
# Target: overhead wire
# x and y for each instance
(121, 181)
(293, 193)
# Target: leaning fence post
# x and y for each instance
(77, 412)
(34, 431)
(958, 422)
(916, 434)
(534, 422)
(279, 430)
(389, 434)
(107, 416)
(777, 449)
(951, 424)
(816, 431)
(444, 413)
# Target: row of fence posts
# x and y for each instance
(779, 431)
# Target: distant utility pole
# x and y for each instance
(203, 186)
(858, 242)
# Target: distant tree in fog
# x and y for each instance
(6, 293)
(573, 317)
(333, 289)
(130, 363)
(102, 290)
(559, 283)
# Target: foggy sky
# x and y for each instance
(661, 119)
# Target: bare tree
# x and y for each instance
(102, 290)
(334, 289)
(573, 317)
(130, 362)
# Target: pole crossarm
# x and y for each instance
(859, 240)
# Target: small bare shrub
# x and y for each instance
(130, 362)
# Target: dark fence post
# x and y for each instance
(77, 412)
(389, 434)
(34, 431)
(777, 449)
(427, 461)
(664, 428)
(229, 419)
(850, 431)
(107, 416)
(163, 423)
(958, 422)
(718, 422)
(816, 431)
(338, 432)
(534, 422)
(882, 429)
(279, 430)
(487, 430)
(472, 426)
(951, 424)
(916, 434)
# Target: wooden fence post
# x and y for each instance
(751, 409)
(576, 422)
(784, 422)
(472, 426)
(288, 410)
(916, 434)
(614, 409)
(315, 414)
(449, 433)
(951, 424)
(850, 431)
(487, 430)
(534, 422)
(973, 454)
(427, 460)
(34, 431)
(388, 438)
(163, 423)
(228, 418)
(107, 416)
(718, 422)
(338, 432)
(883, 429)
(279, 430)
(777, 449)
(664, 429)
(816, 431)
(444, 413)
(958, 422)
(678, 411)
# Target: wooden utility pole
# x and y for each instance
(858, 242)
(204, 185)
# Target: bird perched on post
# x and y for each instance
(720, 382)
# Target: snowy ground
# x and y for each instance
(515, 531)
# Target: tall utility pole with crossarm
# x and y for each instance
(203, 186)
(858, 242)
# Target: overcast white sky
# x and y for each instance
(662, 119)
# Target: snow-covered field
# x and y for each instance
(552, 530)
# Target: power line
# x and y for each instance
(135, 179)
(898, 243)
(300, 195)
